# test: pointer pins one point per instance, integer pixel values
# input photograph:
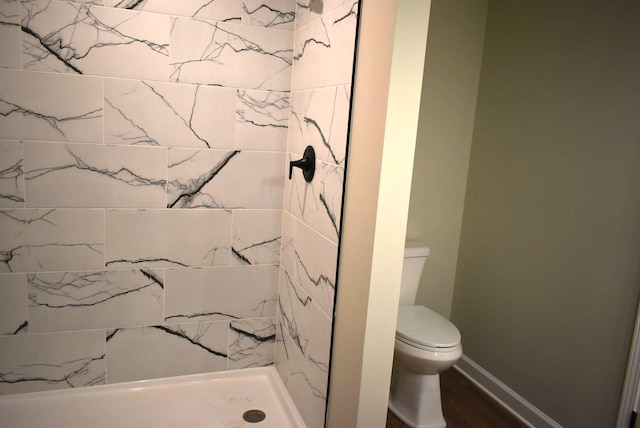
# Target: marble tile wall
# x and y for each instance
(320, 102)
(142, 162)
(147, 228)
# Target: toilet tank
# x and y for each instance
(415, 254)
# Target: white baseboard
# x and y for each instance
(506, 396)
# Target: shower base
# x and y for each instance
(213, 400)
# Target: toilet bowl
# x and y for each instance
(425, 341)
(426, 344)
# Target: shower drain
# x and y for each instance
(254, 416)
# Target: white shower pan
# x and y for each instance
(213, 400)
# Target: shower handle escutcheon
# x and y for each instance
(307, 164)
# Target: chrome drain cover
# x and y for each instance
(254, 416)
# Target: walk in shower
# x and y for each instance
(148, 228)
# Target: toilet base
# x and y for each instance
(415, 399)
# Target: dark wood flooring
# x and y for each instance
(466, 406)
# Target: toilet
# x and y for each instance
(426, 344)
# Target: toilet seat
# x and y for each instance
(423, 328)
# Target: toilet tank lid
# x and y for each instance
(415, 249)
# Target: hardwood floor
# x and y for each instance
(466, 406)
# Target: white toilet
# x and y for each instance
(426, 344)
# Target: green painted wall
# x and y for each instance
(548, 277)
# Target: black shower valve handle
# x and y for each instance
(300, 163)
(307, 164)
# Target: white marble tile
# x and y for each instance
(168, 114)
(41, 362)
(11, 174)
(220, 293)
(251, 343)
(319, 203)
(231, 55)
(306, 324)
(66, 301)
(50, 107)
(256, 237)
(258, 180)
(34, 240)
(324, 49)
(77, 38)
(310, 10)
(10, 33)
(197, 178)
(307, 392)
(13, 304)
(320, 118)
(218, 10)
(87, 175)
(218, 179)
(167, 238)
(310, 260)
(261, 120)
(269, 13)
(169, 350)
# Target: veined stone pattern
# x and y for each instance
(145, 209)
